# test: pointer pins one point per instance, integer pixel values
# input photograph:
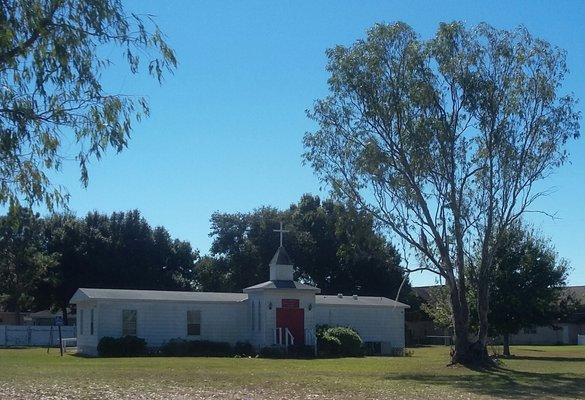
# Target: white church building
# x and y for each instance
(277, 312)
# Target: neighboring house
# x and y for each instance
(563, 331)
(39, 318)
(422, 330)
(10, 317)
(47, 318)
(273, 313)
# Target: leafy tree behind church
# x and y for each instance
(121, 250)
(333, 246)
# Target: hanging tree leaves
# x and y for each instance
(51, 97)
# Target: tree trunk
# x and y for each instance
(461, 333)
(65, 317)
(507, 344)
(460, 327)
(17, 314)
(483, 310)
(466, 352)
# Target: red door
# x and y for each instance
(294, 320)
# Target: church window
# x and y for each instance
(129, 322)
(194, 322)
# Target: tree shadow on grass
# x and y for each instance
(506, 383)
(545, 358)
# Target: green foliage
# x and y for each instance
(528, 282)
(25, 260)
(244, 349)
(44, 261)
(272, 352)
(438, 306)
(127, 346)
(339, 342)
(294, 351)
(334, 246)
(52, 101)
(196, 348)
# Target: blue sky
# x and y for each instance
(226, 129)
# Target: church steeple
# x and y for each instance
(281, 267)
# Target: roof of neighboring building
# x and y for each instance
(578, 292)
(281, 257)
(283, 285)
(423, 291)
(48, 314)
(124, 294)
(358, 301)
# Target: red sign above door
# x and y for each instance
(290, 303)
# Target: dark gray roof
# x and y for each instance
(577, 292)
(281, 257)
(283, 285)
(123, 294)
(424, 292)
(334, 300)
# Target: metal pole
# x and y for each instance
(50, 339)
(60, 341)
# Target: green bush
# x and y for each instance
(272, 352)
(244, 349)
(339, 342)
(196, 348)
(329, 346)
(301, 351)
(127, 346)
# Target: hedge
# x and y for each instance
(194, 348)
(127, 346)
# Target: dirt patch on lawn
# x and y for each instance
(104, 392)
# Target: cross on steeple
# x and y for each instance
(282, 232)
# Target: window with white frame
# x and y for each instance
(194, 322)
(91, 322)
(129, 322)
(81, 322)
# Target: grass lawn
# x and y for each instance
(535, 372)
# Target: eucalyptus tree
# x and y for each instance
(53, 105)
(443, 141)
